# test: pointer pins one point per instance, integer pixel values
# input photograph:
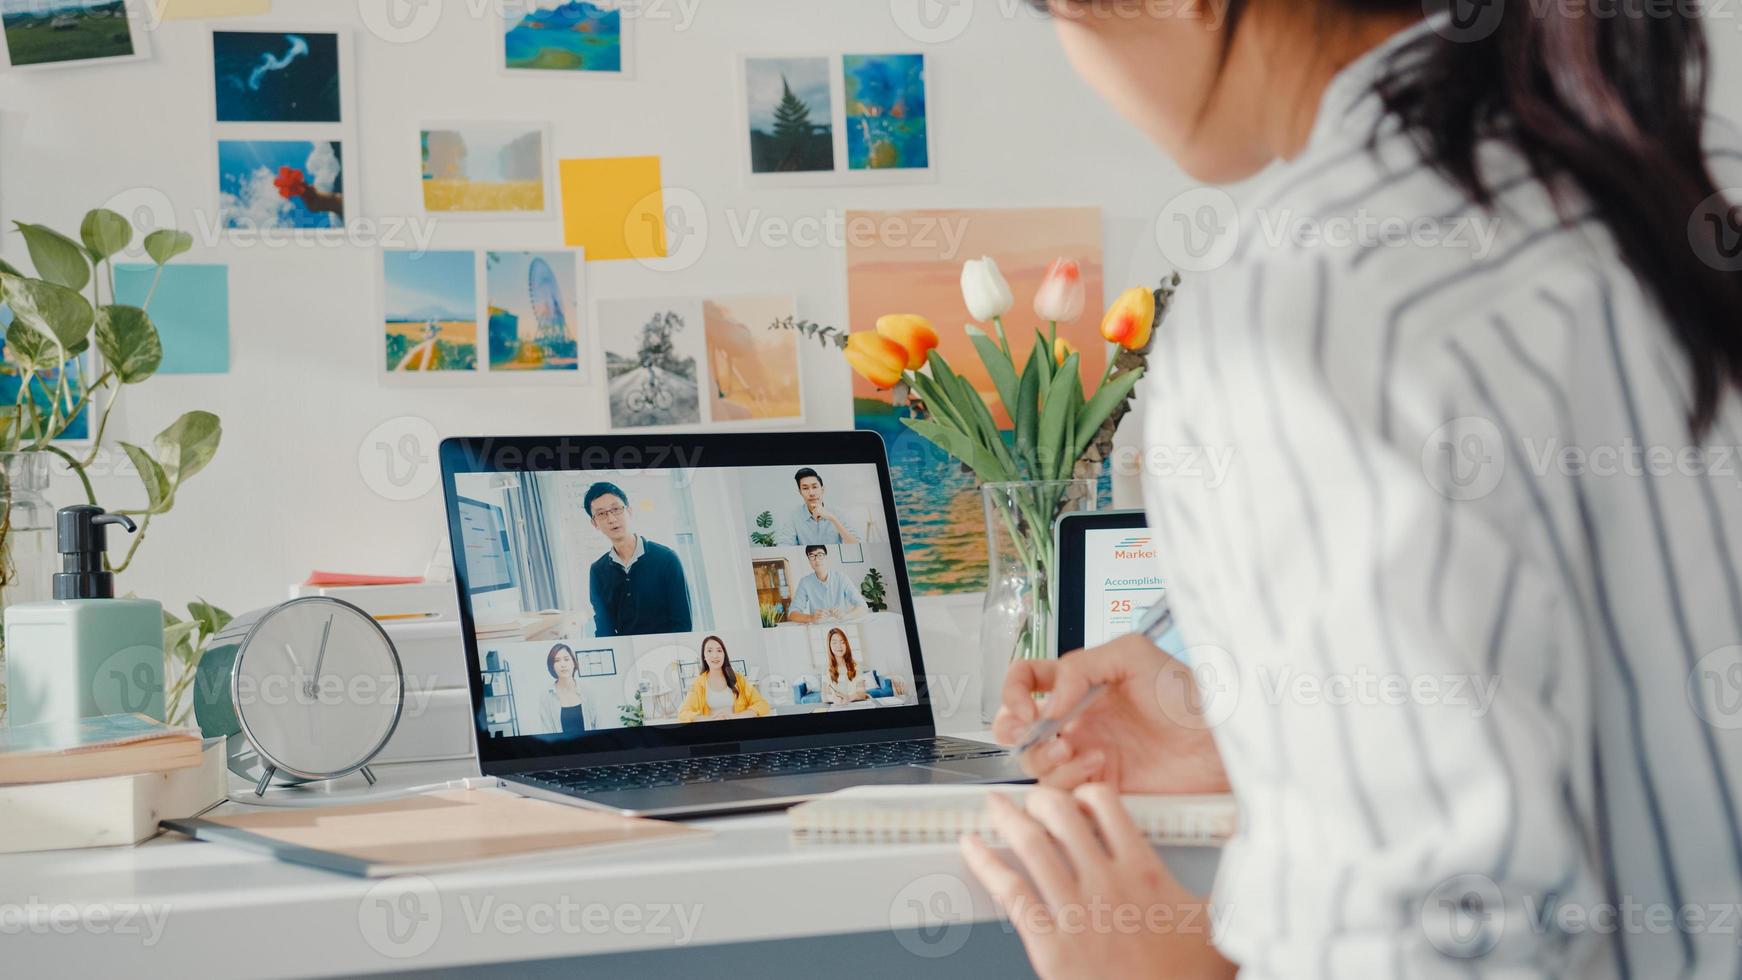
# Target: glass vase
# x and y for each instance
(1016, 620)
(27, 556)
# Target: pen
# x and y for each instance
(1156, 621)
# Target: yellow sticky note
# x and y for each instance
(613, 207)
(186, 9)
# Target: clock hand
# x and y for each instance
(293, 658)
(313, 682)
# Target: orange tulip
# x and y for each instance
(1062, 349)
(1130, 319)
(878, 359)
(913, 332)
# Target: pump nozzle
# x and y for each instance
(80, 539)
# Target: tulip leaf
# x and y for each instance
(1100, 405)
(998, 368)
(936, 400)
(129, 343)
(188, 445)
(1054, 419)
(55, 311)
(105, 233)
(58, 259)
(1046, 361)
(983, 426)
(167, 243)
(1026, 412)
(963, 447)
(159, 491)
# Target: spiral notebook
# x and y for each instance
(941, 814)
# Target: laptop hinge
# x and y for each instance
(718, 748)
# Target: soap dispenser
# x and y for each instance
(85, 652)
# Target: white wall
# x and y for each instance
(287, 493)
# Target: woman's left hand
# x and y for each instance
(1106, 905)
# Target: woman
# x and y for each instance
(561, 709)
(845, 685)
(718, 692)
(1463, 615)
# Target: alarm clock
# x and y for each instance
(306, 690)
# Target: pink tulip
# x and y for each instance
(1060, 297)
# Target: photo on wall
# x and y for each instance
(47, 381)
(753, 367)
(945, 538)
(487, 169)
(564, 37)
(790, 108)
(276, 77)
(281, 185)
(68, 33)
(533, 311)
(653, 360)
(887, 126)
(429, 311)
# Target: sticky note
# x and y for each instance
(191, 310)
(613, 207)
(188, 9)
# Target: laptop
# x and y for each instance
(690, 625)
(1109, 582)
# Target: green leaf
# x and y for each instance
(188, 445)
(1046, 361)
(981, 423)
(159, 490)
(105, 233)
(210, 617)
(30, 350)
(1100, 405)
(170, 619)
(58, 258)
(962, 447)
(938, 400)
(167, 243)
(10, 269)
(1055, 418)
(998, 368)
(178, 640)
(128, 342)
(1027, 410)
(56, 311)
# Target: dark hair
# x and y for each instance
(807, 471)
(815, 547)
(602, 489)
(1612, 103)
(550, 659)
(726, 670)
(847, 655)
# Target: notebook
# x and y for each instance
(438, 831)
(941, 814)
(91, 748)
(108, 810)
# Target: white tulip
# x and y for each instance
(984, 289)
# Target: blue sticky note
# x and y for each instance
(191, 310)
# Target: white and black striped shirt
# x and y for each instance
(1466, 607)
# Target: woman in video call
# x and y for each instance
(845, 683)
(561, 708)
(719, 692)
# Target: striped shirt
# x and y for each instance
(1465, 609)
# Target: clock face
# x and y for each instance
(318, 686)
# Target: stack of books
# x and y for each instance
(102, 781)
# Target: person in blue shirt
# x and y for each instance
(825, 594)
(811, 522)
(637, 586)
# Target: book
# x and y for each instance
(110, 810)
(437, 831)
(91, 748)
(941, 814)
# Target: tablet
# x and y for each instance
(1109, 574)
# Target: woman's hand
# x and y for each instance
(1146, 734)
(1102, 903)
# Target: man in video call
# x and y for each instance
(637, 586)
(824, 595)
(810, 522)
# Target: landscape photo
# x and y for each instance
(886, 111)
(430, 309)
(64, 32)
(278, 185)
(483, 169)
(652, 359)
(753, 366)
(789, 104)
(563, 36)
(272, 76)
(533, 308)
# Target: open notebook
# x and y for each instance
(940, 814)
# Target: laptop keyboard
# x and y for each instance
(714, 768)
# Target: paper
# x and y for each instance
(613, 207)
(189, 9)
(191, 310)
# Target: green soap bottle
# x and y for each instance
(84, 652)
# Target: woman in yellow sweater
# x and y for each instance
(719, 692)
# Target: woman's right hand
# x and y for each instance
(1145, 734)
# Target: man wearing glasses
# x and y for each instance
(637, 585)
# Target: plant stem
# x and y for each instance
(102, 424)
(77, 468)
(138, 536)
(155, 278)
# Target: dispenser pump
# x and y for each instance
(79, 537)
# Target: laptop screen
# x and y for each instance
(618, 607)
